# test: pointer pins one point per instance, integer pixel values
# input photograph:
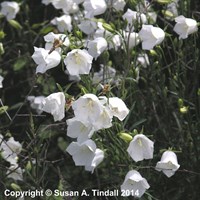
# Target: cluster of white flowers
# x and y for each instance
(91, 114)
(10, 150)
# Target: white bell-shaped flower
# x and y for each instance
(118, 107)
(134, 184)
(168, 163)
(185, 26)
(151, 36)
(63, 23)
(141, 148)
(87, 108)
(10, 150)
(95, 7)
(85, 154)
(79, 130)
(78, 62)
(45, 60)
(55, 105)
(68, 6)
(134, 18)
(87, 26)
(9, 9)
(97, 46)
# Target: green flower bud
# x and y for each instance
(15, 187)
(125, 136)
(184, 110)
(1, 49)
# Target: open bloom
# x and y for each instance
(44, 60)
(87, 26)
(168, 164)
(97, 46)
(78, 62)
(55, 105)
(1, 80)
(141, 148)
(151, 36)
(63, 23)
(134, 184)
(9, 9)
(118, 107)
(79, 130)
(55, 41)
(36, 103)
(185, 26)
(68, 6)
(87, 108)
(10, 150)
(134, 18)
(85, 154)
(95, 7)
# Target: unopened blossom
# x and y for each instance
(134, 184)
(79, 130)
(141, 148)
(1, 80)
(151, 36)
(97, 46)
(133, 18)
(95, 7)
(168, 163)
(131, 38)
(118, 107)
(36, 103)
(10, 150)
(85, 154)
(55, 41)
(185, 26)
(15, 172)
(63, 23)
(45, 60)
(55, 105)
(78, 62)
(87, 108)
(9, 9)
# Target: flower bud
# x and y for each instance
(184, 109)
(125, 136)
(15, 187)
